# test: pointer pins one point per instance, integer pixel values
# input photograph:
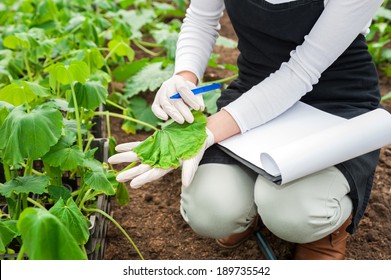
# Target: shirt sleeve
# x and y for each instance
(198, 35)
(337, 27)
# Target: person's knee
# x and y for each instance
(307, 209)
(219, 200)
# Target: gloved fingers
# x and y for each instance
(159, 112)
(126, 147)
(123, 157)
(188, 96)
(189, 168)
(184, 110)
(200, 101)
(129, 174)
(149, 176)
(172, 112)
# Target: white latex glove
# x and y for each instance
(178, 109)
(143, 173)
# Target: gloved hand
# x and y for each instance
(177, 109)
(143, 173)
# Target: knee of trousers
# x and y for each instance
(302, 214)
(220, 200)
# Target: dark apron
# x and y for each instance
(349, 87)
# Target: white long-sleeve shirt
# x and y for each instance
(337, 27)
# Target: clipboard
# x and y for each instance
(304, 140)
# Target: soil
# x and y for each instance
(153, 221)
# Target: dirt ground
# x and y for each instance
(153, 221)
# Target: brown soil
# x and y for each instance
(153, 221)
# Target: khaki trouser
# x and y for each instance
(224, 198)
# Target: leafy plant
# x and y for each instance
(379, 38)
(175, 142)
(54, 79)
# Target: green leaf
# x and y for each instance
(149, 78)
(96, 177)
(71, 216)
(90, 95)
(57, 192)
(210, 99)
(76, 71)
(46, 11)
(26, 184)
(16, 95)
(121, 48)
(18, 40)
(5, 109)
(25, 92)
(168, 38)
(135, 19)
(46, 238)
(36, 89)
(125, 71)
(142, 111)
(166, 147)
(122, 195)
(65, 154)
(8, 232)
(29, 135)
(94, 59)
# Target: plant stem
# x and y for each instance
(224, 80)
(28, 170)
(108, 124)
(145, 49)
(118, 226)
(126, 118)
(7, 173)
(148, 44)
(32, 201)
(26, 62)
(21, 253)
(115, 105)
(79, 136)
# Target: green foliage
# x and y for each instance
(166, 147)
(379, 38)
(149, 78)
(29, 135)
(45, 237)
(25, 185)
(71, 216)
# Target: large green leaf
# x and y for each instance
(141, 110)
(96, 177)
(26, 184)
(90, 95)
(125, 71)
(166, 147)
(168, 38)
(57, 192)
(94, 59)
(45, 237)
(5, 109)
(70, 215)
(149, 78)
(76, 71)
(121, 47)
(8, 232)
(29, 135)
(16, 94)
(65, 154)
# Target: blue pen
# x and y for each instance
(199, 90)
